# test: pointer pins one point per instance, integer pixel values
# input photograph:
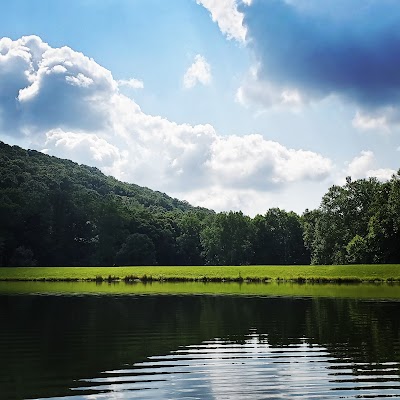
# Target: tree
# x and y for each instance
(138, 249)
(357, 251)
(188, 242)
(345, 212)
(279, 238)
(227, 239)
(22, 257)
(111, 225)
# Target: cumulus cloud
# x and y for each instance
(70, 106)
(86, 148)
(382, 174)
(366, 122)
(267, 94)
(45, 86)
(226, 14)
(319, 49)
(364, 166)
(17, 60)
(79, 80)
(132, 83)
(359, 166)
(199, 71)
(253, 162)
(252, 201)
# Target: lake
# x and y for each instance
(145, 345)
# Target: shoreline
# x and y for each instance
(368, 273)
(132, 280)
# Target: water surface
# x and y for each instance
(87, 346)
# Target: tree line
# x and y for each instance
(54, 212)
(358, 222)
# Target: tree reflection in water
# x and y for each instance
(48, 344)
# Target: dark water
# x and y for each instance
(197, 347)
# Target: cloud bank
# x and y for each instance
(69, 106)
(348, 49)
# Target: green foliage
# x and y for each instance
(356, 223)
(228, 239)
(22, 256)
(357, 250)
(279, 239)
(188, 242)
(55, 212)
(138, 249)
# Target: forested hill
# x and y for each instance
(19, 166)
(56, 212)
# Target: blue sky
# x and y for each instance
(229, 104)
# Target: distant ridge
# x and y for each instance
(15, 160)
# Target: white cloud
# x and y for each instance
(85, 147)
(359, 166)
(17, 60)
(48, 88)
(382, 174)
(264, 94)
(307, 194)
(79, 80)
(368, 122)
(132, 83)
(70, 106)
(253, 162)
(364, 166)
(225, 13)
(291, 97)
(199, 71)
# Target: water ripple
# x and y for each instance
(220, 369)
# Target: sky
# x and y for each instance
(228, 104)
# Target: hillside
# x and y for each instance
(19, 166)
(57, 212)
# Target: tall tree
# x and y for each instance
(279, 238)
(227, 239)
(348, 220)
(188, 242)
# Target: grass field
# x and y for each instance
(331, 273)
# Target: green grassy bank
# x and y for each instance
(331, 273)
